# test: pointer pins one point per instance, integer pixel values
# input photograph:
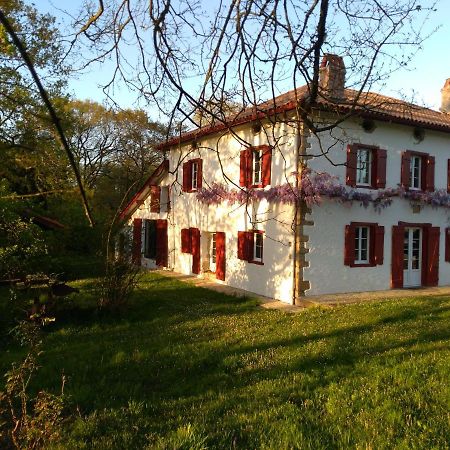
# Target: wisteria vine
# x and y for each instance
(314, 188)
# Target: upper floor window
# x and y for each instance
(255, 167)
(417, 171)
(366, 166)
(192, 175)
(363, 166)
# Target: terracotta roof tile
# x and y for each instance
(369, 104)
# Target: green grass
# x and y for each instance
(190, 368)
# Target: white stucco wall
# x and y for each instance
(274, 278)
(327, 272)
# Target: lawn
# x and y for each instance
(185, 367)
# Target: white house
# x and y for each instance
(262, 204)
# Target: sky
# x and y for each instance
(422, 80)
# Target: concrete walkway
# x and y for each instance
(328, 300)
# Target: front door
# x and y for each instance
(412, 257)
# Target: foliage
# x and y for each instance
(314, 187)
(188, 366)
(28, 422)
(116, 286)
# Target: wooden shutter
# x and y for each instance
(220, 256)
(398, 233)
(352, 153)
(243, 246)
(187, 176)
(162, 245)
(379, 181)
(378, 248)
(447, 244)
(250, 245)
(137, 241)
(186, 241)
(349, 245)
(266, 166)
(405, 177)
(195, 246)
(243, 169)
(155, 195)
(448, 176)
(431, 274)
(428, 184)
(199, 173)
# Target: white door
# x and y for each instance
(412, 257)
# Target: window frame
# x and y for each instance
(188, 175)
(194, 176)
(368, 170)
(256, 235)
(359, 239)
(257, 158)
(375, 244)
(420, 175)
(376, 170)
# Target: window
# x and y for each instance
(213, 253)
(417, 171)
(363, 166)
(150, 239)
(255, 167)
(366, 166)
(251, 246)
(192, 175)
(363, 245)
(258, 247)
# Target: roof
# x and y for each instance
(368, 105)
(140, 195)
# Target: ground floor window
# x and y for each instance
(362, 248)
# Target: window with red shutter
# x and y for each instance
(363, 244)
(195, 247)
(220, 256)
(398, 233)
(351, 164)
(417, 171)
(192, 175)
(255, 169)
(447, 244)
(243, 252)
(155, 195)
(431, 274)
(186, 241)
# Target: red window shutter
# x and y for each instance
(137, 241)
(250, 245)
(195, 245)
(378, 245)
(186, 240)
(429, 173)
(397, 256)
(187, 176)
(405, 177)
(162, 245)
(155, 195)
(199, 173)
(243, 182)
(349, 245)
(266, 166)
(431, 275)
(243, 246)
(448, 175)
(220, 256)
(352, 153)
(380, 167)
(447, 244)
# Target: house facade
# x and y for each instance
(262, 204)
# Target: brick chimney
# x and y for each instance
(332, 76)
(445, 97)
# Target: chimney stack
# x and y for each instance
(445, 97)
(332, 76)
